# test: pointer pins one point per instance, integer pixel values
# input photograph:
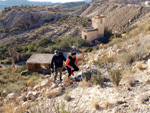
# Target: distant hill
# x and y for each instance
(71, 4)
(88, 0)
(8, 3)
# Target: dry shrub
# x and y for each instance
(127, 76)
(84, 83)
(131, 56)
(96, 105)
(103, 60)
(115, 76)
(97, 79)
(31, 83)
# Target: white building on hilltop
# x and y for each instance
(97, 29)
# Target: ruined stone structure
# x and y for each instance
(97, 29)
(39, 62)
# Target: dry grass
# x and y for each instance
(127, 76)
(84, 83)
(11, 80)
(115, 76)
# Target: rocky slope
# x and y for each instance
(26, 19)
(131, 96)
(119, 17)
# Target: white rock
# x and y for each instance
(148, 63)
(26, 105)
(12, 96)
(20, 98)
(30, 96)
(54, 92)
(17, 110)
(53, 86)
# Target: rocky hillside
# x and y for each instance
(21, 18)
(118, 75)
(119, 17)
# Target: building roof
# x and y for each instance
(88, 29)
(40, 59)
(99, 16)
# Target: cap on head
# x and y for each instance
(73, 52)
(56, 52)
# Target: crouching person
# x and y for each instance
(72, 64)
(57, 65)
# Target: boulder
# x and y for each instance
(54, 92)
(26, 105)
(45, 82)
(21, 98)
(36, 94)
(12, 96)
(4, 93)
(30, 96)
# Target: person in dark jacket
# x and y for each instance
(57, 64)
(72, 64)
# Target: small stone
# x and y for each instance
(144, 99)
(121, 102)
(67, 98)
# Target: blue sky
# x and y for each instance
(57, 0)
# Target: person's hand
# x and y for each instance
(52, 69)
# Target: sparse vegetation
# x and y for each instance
(11, 80)
(115, 76)
(89, 49)
(97, 78)
(60, 108)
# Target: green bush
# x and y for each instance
(6, 30)
(131, 56)
(79, 42)
(19, 49)
(52, 48)
(89, 49)
(115, 76)
(31, 48)
(44, 41)
(97, 78)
